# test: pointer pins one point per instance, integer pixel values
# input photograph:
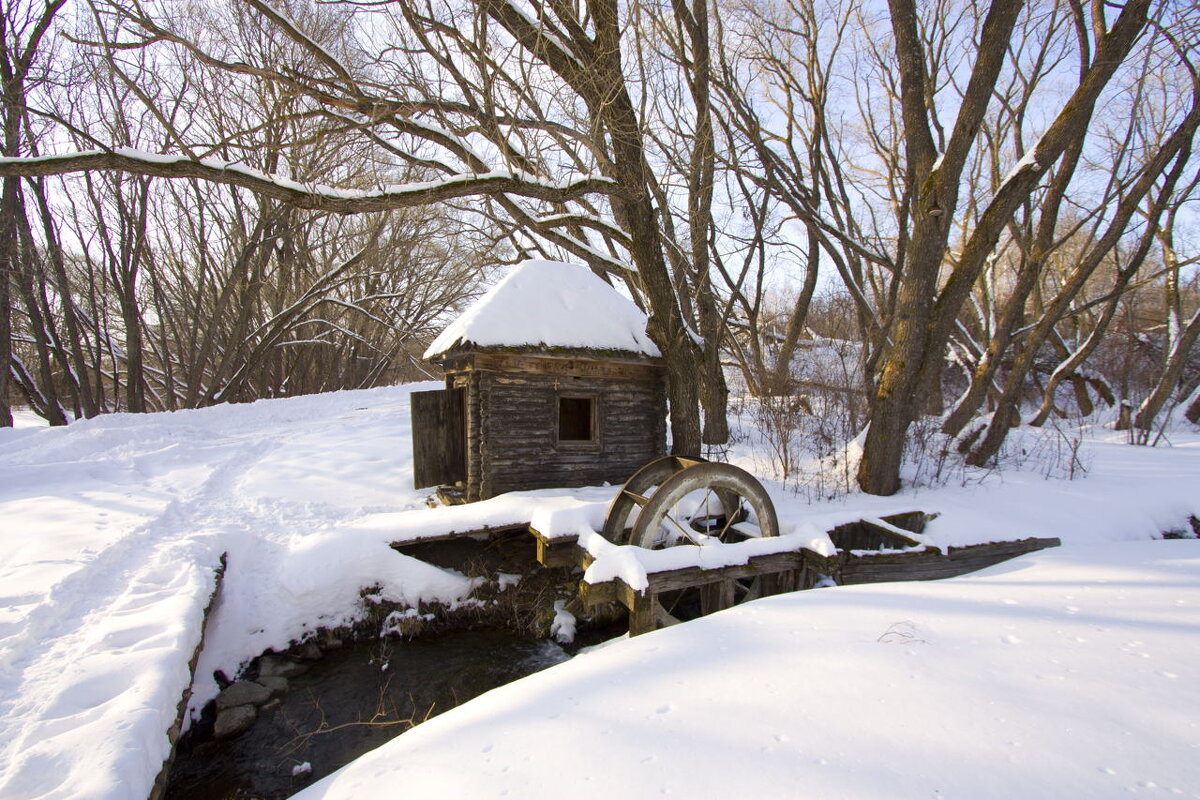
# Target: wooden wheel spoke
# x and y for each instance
(701, 513)
(737, 534)
(730, 519)
(692, 536)
(638, 499)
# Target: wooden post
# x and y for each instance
(642, 607)
(779, 582)
(716, 596)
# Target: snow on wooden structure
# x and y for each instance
(550, 381)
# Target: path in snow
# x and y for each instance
(113, 529)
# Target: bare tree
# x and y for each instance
(791, 162)
(927, 307)
(456, 101)
(1150, 188)
(23, 26)
(172, 294)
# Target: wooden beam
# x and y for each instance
(630, 368)
(716, 596)
(473, 533)
(932, 564)
(561, 551)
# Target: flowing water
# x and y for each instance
(349, 702)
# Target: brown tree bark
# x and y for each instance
(8, 248)
(1193, 411)
(1181, 337)
(916, 338)
(600, 82)
(925, 317)
(1168, 164)
(80, 377)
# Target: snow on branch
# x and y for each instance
(311, 196)
(583, 221)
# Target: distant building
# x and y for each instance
(550, 381)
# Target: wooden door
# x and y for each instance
(439, 437)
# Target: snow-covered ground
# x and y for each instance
(111, 529)
(1065, 674)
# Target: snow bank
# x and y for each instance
(1073, 673)
(113, 528)
(87, 700)
(553, 304)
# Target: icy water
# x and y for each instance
(352, 701)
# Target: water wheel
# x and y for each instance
(688, 501)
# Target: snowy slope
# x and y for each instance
(1066, 674)
(110, 530)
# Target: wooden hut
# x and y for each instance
(550, 381)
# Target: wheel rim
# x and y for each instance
(728, 496)
(699, 505)
(636, 492)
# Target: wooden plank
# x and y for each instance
(778, 572)
(912, 521)
(452, 495)
(866, 535)
(595, 594)
(473, 533)
(930, 564)
(782, 582)
(1015, 547)
(639, 500)
(690, 577)
(439, 438)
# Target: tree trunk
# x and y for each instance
(1193, 410)
(909, 367)
(780, 380)
(42, 339)
(8, 248)
(1180, 337)
(1067, 371)
(894, 404)
(8, 225)
(86, 400)
(1168, 381)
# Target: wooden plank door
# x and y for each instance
(439, 437)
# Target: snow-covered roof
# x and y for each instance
(550, 304)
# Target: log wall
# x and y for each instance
(512, 408)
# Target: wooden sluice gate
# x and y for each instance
(868, 551)
(793, 571)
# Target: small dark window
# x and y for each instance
(575, 419)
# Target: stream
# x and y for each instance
(352, 701)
